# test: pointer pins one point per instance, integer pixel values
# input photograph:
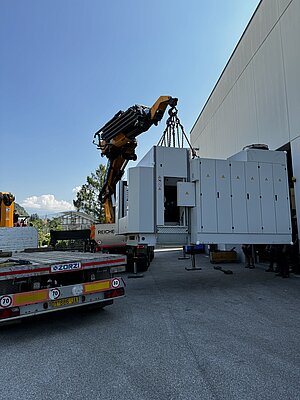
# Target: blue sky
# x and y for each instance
(67, 66)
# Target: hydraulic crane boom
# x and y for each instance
(116, 141)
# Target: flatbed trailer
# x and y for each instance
(33, 283)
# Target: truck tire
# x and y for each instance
(151, 254)
(143, 265)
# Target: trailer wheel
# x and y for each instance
(151, 254)
(143, 265)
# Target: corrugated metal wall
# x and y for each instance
(257, 98)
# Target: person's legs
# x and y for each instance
(247, 258)
(271, 259)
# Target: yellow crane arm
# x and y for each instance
(117, 141)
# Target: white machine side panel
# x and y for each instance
(266, 156)
(169, 162)
(140, 200)
(208, 196)
(224, 214)
(148, 159)
(238, 189)
(282, 206)
(267, 198)
(195, 216)
(295, 147)
(159, 184)
(195, 169)
(173, 161)
(186, 194)
(253, 200)
(159, 191)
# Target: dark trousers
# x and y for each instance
(283, 264)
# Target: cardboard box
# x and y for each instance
(222, 257)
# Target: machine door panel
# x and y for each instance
(282, 206)
(224, 213)
(267, 198)
(253, 200)
(208, 196)
(238, 199)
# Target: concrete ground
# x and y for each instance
(176, 335)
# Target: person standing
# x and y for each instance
(282, 261)
(16, 218)
(247, 250)
(272, 249)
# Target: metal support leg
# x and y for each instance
(135, 274)
(184, 255)
(193, 268)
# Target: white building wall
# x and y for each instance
(257, 98)
(290, 34)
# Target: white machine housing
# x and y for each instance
(173, 199)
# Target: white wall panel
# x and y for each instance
(230, 138)
(243, 54)
(270, 93)
(220, 131)
(283, 4)
(246, 115)
(290, 28)
(207, 146)
(263, 22)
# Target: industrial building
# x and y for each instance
(257, 97)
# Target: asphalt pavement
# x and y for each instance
(176, 335)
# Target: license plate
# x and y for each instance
(68, 301)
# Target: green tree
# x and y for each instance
(44, 226)
(41, 225)
(87, 198)
(55, 224)
(34, 217)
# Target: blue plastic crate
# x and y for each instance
(194, 249)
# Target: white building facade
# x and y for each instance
(257, 97)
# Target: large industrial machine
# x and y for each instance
(175, 197)
(172, 198)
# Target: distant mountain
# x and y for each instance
(20, 210)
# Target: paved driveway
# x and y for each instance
(177, 335)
